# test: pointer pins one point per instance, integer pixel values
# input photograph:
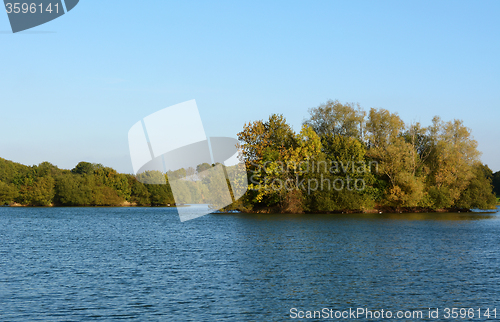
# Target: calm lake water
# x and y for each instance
(80, 264)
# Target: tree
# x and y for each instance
(9, 171)
(139, 194)
(334, 118)
(398, 159)
(421, 141)
(496, 183)
(160, 194)
(264, 145)
(47, 169)
(277, 158)
(84, 168)
(106, 196)
(105, 176)
(344, 176)
(383, 128)
(8, 193)
(451, 162)
(479, 192)
(73, 190)
(263, 140)
(37, 192)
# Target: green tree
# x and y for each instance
(263, 146)
(47, 169)
(398, 159)
(451, 162)
(12, 172)
(42, 192)
(105, 176)
(276, 157)
(479, 192)
(383, 128)
(160, 194)
(262, 141)
(139, 194)
(8, 193)
(106, 196)
(74, 190)
(344, 176)
(334, 118)
(496, 183)
(84, 168)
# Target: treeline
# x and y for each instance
(85, 185)
(91, 184)
(345, 158)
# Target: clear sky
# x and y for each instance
(71, 89)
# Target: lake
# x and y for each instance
(75, 264)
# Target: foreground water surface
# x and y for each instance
(74, 264)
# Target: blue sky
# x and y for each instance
(71, 89)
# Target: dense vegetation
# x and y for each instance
(85, 185)
(90, 184)
(496, 183)
(343, 159)
(388, 164)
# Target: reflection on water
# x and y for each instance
(115, 263)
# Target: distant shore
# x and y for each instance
(124, 204)
(274, 210)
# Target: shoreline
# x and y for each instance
(380, 210)
(272, 211)
(128, 205)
